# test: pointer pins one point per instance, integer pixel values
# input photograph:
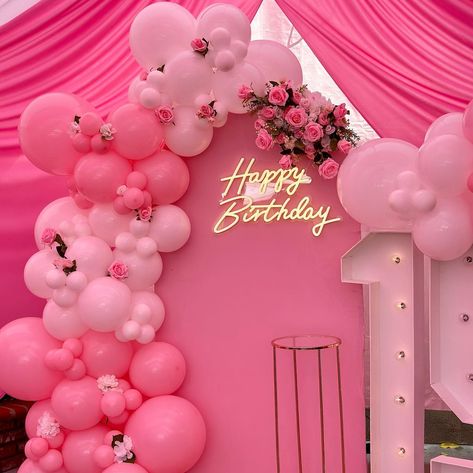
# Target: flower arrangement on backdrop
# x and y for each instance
(301, 123)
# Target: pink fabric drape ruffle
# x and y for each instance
(402, 63)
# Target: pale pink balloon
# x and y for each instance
(36, 269)
(136, 87)
(167, 176)
(157, 368)
(143, 272)
(125, 468)
(104, 354)
(445, 162)
(45, 131)
(138, 131)
(77, 403)
(275, 61)
(227, 84)
(189, 136)
(150, 98)
(170, 228)
(103, 305)
(29, 466)
(106, 223)
(23, 346)
(468, 122)
(35, 412)
(155, 304)
(159, 32)
(445, 233)
(93, 256)
(79, 448)
(98, 175)
(187, 76)
(168, 434)
(368, 176)
(62, 322)
(448, 124)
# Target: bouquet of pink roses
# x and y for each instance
(302, 123)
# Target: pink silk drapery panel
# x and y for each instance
(402, 63)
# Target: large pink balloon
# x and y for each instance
(168, 434)
(103, 305)
(106, 223)
(368, 176)
(159, 32)
(189, 136)
(125, 468)
(35, 412)
(45, 131)
(79, 447)
(138, 131)
(170, 228)
(468, 122)
(448, 124)
(157, 368)
(98, 175)
(23, 345)
(167, 175)
(275, 61)
(35, 272)
(29, 466)
(77, 403)
(446, 232)
(227, 84)
(62, 322)
(155, 304)
(103, 354)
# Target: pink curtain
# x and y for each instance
(402, 63)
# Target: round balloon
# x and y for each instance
(125, 468)
(35, 272)
(106, 223)
(448, 124)
(468, 122)
(29, 466)
(153, 302)
(62, 322)
(170, 228)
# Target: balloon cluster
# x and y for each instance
(389, 184)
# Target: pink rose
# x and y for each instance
(48, 236)
(299, 133)
(118, 270)
(328, 169)
(199, 45)
(305, 103)
(281, 138)
(309, 150)
(297, 96)
(145, 214)
(313, 132)
(205, 111)
(63, 263)
(340, 111)
(341, 122)
(268, 113)
(165, 114)
(296, 117)
(323, 119)
(325, 141)
(329, 129)
(285, 161)
(264, 140)
(344, 146)
(278, 95)
(259, 124)
(245, 92)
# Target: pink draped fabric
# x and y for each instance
(402, 63)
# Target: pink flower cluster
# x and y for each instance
(301, 123)
(207, 112)
(200, 45)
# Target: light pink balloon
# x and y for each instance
(468, 122)
(275, 61)
(154, 302)
(170, 228)
(104, 354)
(188, 136)
(159, 32)
(103, 305)
(448, 124)
(23, 345)
(29, 466)
(125, 468)
(368, 176)
(168, 434)
(446, 232)
(136, 87)
(167, 175)
(79, 447)
(157, 368)
(98, 175)
(36, 269)
(106, 223)
(138, 131)
(34, 413)
(62, 322)
(92, 255)
(45, 131)
(445, 162)
(227, 84)
(77, 403)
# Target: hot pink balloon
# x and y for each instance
(189, 136)
(157, 368)
(468, 122)
(103, 305)
(45, 131)
(168, 434)
(35, 272)
(23, 345)
(138, 131)
(167, 175)
(113, 404)
(77, 403)
(98, 175)
(104, 354)
(106, 223)
(62, 322)
(448, 124)
(29, 466)
(170, 228)
(125, 468)
(155, 304)
(79, 447)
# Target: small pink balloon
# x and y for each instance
(90, 123)
(153, 302)
(60, 359)
(125, 468)
(225, 60)
(56, 441)
(104, 456)
(106, 223)
(146, 335)
(448, 124)
(133, 198)
(146, 246)
(400, 201)
(29, 466)
(133, 399)
(99, 145)
(120, 207)
(113, 404)
(424, 200)
(81, 143)
(468, 122)
(108, 438)
(64, 297)
(62, 322)
(119, 420)
(38, 446)
(136, 179)
(150, 98)
(131, 330)
(77, 281)
(28, 453)
(51, 461)
(77, 370)
(74, 345)
(170, 228)
(82, 202)
(139, 228)
(141, 313)
(126, 242)
(36, 270)
(55, 278)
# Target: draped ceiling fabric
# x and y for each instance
(402, 63)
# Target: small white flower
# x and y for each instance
(107, 131)
(122, 450)
(108, 382)
(75, 128)
(48, 426)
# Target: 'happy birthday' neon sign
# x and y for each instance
(253, 187)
